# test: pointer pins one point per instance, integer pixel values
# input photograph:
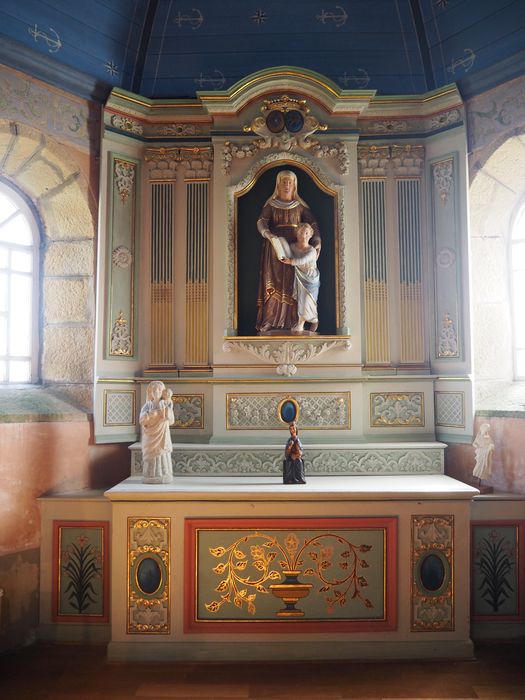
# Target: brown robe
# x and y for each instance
(276, 308)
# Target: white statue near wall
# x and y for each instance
(484, 448)
(156, 416)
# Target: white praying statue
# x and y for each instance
(484, 448)
(156, 416)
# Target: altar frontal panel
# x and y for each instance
(336, 574)
(80, 571)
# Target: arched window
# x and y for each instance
(18, 289)
(518, 291)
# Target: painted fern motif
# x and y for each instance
(495, 567)
(82, 567)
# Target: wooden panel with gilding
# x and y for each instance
(390, 409)
(314, 574)
(432, 588)
(148, 576)
(80, 586)
(316, 411)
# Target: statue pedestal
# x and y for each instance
(336, 458)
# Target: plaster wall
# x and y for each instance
(39, 458)
(508, 465)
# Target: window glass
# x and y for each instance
(7, 207)
(18, 251)
(16, 230)
(518, 291)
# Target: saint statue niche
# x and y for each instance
(289, 280)
(274, 289)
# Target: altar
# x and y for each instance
(356, 332)
(233, 568)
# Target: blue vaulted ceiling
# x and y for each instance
(173, 48)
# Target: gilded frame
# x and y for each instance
(88, 554)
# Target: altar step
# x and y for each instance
(320, 459)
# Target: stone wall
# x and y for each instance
(48, 152)
(49, 145)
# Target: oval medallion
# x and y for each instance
(275, 121)
(288, 410)
(149, 576)
(294, 121)
(432, 572)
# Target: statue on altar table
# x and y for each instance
(289, 279)
(484, 448)
(293, 464)
(156, 416)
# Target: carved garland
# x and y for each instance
(337, 151)
(287, 354)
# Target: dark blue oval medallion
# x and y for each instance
(288, 411)
(432, 572)
(294, 121)
(149, 575)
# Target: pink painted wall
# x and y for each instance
(38, 458)
(508, 464)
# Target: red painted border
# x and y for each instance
(86, 524)
(520, 615)
(389, 623)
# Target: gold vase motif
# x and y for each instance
(289, 592)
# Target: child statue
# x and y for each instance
(484, 447)
(293, 465)
(306, 284)
(155, 418)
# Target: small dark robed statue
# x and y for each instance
(293, 465)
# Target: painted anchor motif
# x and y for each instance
(194, 21)
(361, 78)
(338, 19)
(54, 43)
(216, 83)
(466, 62)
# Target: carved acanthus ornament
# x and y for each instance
(126, 124)
(163, 163)
(439, 121)
(448, 340)
(120, 343)
(390, 409)
(338, 151)
(286, 355)
(269, 461)
(285, 122)
(443, 178)
(177, 130)
(124, 175)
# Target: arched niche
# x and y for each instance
(247, 198)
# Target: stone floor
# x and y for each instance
(59, 672)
